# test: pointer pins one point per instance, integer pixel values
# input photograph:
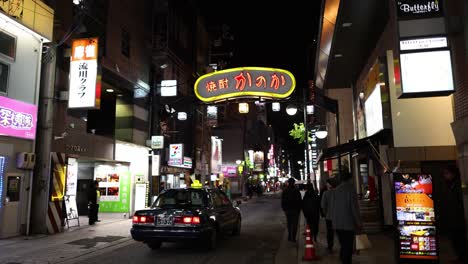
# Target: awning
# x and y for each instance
(383, 137)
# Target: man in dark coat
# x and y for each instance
(93, 203)
(291, 202)
(311, 209)
(454, 209)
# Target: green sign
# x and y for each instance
(117, 200)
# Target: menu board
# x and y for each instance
(415, 214)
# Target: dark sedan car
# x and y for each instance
(185, 214)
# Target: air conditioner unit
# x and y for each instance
(25, 160)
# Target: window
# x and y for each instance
(4, 71)
(180, 199)
(125, 43)
(7, 45)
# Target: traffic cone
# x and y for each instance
(309, 251)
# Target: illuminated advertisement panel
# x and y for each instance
(416, 217)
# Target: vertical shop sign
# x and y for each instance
(72, 177)
(416, 218)
(176, 154)
(83, 74)
(156, 165)
(216, 155)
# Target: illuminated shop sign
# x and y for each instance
(17, 119)
(245, 82)
(419, 8)
(423, 43)
(426, 72)
(176, 154)
(85, 91)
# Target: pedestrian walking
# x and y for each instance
(93, 204)
(326, 205)
(311, 209)
(345, 216)
(454, 210)
(291, 202)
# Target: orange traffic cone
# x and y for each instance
(309, 252)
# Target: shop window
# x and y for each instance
(7, 45)
(125, 45)
(4, 71)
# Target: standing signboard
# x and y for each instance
(416, 218)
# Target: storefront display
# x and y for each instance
(416, 217)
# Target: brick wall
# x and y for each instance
(457, 11)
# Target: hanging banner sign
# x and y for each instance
(84, 91)
(416, 217)
(245, 82)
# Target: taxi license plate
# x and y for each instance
(164, 221)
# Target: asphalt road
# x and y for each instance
(262, 231)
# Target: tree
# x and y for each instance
(298, 132)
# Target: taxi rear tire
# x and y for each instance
(154, 245)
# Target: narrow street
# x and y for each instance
(262, 230)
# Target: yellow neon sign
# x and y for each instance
(245, 82)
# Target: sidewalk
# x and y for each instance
(67, 246)
(382, 250)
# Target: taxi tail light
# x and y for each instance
(143, 219)
(187, 220)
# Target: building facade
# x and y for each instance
(23, 36)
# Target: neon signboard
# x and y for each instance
(17, 119)
(245, 82)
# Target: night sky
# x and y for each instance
(272, 34)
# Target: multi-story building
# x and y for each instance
(107, 140)
(359, 54)
(25, 26)
(180, 53)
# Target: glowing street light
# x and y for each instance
(291, 110)
(321, 134)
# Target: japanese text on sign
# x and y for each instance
(83, 74)
(245, 82)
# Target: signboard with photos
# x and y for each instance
(415, 215)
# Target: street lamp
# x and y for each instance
(238, 162)
(291, 110)
(321, 134)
